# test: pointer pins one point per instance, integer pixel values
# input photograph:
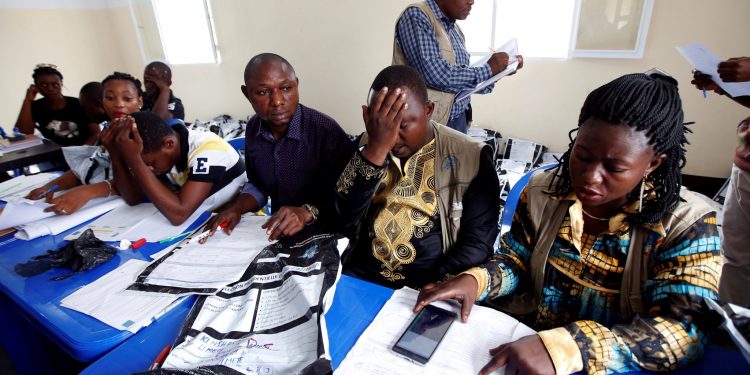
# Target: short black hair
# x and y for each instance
(162, 66)
(45, 70)
(152, 129)
(125, 77)
(261, 58)
(92, 91)
(648, 103)
(401, 76)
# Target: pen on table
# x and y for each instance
(207, 233)
(50, 190)
(168, 239)
(704, 93)
(160, 358)
(138, 243)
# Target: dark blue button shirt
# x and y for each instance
(302, 166)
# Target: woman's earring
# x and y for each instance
(640, 197)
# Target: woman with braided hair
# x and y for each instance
(608, 257)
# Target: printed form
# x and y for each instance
(221, 261)
(464, 349)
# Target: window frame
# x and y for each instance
(640, 44)
(164, 55)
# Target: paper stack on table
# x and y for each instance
(32, 221)
(28, 140)
(107, 300)
(18, 187)
(463, 350)
(135, 222)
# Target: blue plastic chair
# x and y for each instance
(506, 219)
(238, 143)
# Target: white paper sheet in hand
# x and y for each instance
(511, 48)
(707, 63)
(220, 261)
(464, 349)
(106, 299)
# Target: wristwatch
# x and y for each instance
(313, 211)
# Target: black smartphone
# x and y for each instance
(424, 334)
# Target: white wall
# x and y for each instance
(336, 58)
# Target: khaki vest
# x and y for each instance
(457, 158)
(443, 100)
(547, 216)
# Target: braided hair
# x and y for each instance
(46, 70)
(647, 103)
(125, 77)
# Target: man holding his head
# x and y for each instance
(159, 99)
(294, 153)
(421, 199)
(428, 39)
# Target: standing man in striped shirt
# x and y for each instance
(428, 39)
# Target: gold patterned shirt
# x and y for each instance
(399, 238)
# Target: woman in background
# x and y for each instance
(59, 118)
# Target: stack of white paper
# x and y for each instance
(17, 188)
(464, 349)
(106, 299)
(135, 222)
(32, 221)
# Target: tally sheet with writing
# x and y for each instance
(511, 48)
(107, 300)
(194, 268)
(270, 321)
(135, 222)
(464, 349)
(706, 62)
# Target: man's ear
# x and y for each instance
(429, 106)
(169, 143)
(365, 114)
(655, 163)
(244, 92)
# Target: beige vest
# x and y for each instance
(457, 158)
(547, 216)
(443, 100)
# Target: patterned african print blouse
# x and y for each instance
(581, 292)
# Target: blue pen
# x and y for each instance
(50, 190)
(704, 93)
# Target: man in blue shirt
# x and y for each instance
(428, 39)
(294, 154)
